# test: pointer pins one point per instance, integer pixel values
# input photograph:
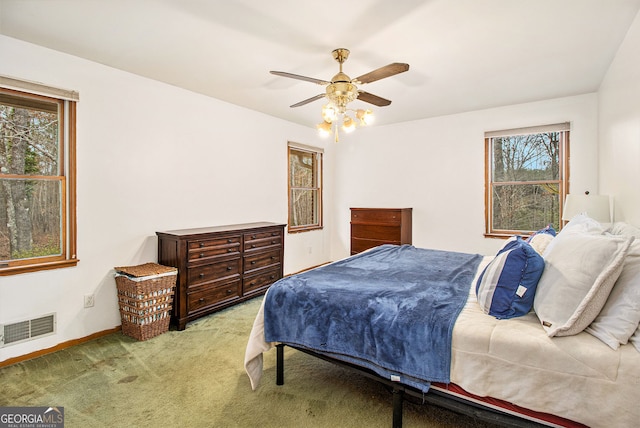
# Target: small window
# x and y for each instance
(37, 182)
(526, 178)
(305, 188)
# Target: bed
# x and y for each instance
(563, 352)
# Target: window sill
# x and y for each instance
(15, 270)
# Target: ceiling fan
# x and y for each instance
(341, 90)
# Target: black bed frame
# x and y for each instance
(434, 397)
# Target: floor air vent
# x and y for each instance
(27, 330)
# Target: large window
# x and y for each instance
(305, 188)
(37, 180)
(526, 178)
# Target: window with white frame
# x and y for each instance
(527, 178)
(37, 177)
(304, 187)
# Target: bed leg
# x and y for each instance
(398, 398)
(280, 364)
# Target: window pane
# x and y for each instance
(525, 207)
(302, 169)
(30, 218)
(532, 157)
(304, 207)
(31, 139)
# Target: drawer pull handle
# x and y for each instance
(253, 262)
(253, 246)
(229, 291)
(273, 276)
(229, 241)
(201, 299)
(229, 267)
(201, 254)
(253, 236)
(274, 241)
(273, 257)
(252, 283)
(201, 244)
(201, 275)
(230, 250)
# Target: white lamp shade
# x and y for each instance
(595, 206)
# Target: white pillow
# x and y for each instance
(580, 223)
(635, 339)
(617, 323)
(581, 268)
(620, 316)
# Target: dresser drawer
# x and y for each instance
(209, 248)
(359, 245)
(389, 216)
(255, 283)
(203, 297)
(213, 272)
(379, 232)
(257, 240)
(261, 260)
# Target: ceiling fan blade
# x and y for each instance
(373, 99)
(297, 76)
(382, 72)
(307, 101)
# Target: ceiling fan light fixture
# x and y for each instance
(329, 113)
(324, 128)
(348, 124)
(366, 117)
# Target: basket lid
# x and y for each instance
(146, 269)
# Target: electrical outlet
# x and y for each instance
(89, 300)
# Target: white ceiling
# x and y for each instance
(464, 54)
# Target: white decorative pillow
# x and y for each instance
(635, 339)
(620, 316)
(540, 242)
(580, 223)
(581, 269)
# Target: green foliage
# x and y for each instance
(50, 248)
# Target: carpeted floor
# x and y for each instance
(195, 378)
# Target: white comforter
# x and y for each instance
(576, 377)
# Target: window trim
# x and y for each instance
(67, 117)
(563, 182)
(318, 154)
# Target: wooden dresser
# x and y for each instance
(371, 227)
(220, 266)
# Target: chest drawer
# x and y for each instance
(203, 297)
(255, 283)
(389, 216)
(210, 248)
(258, 240)
(213, 272)
(261, 260)
(377, 232)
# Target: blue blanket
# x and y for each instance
(390, 309)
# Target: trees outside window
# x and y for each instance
(526, 179)
(305, 188)
(37, 182)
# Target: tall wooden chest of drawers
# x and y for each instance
(220, 266)
(371, 227)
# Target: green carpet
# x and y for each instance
(196, 378)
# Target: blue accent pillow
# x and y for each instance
(507, 285)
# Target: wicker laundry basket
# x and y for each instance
(145, 296)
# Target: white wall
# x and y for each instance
(436, 167)
(150, 157)
(619, 115)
